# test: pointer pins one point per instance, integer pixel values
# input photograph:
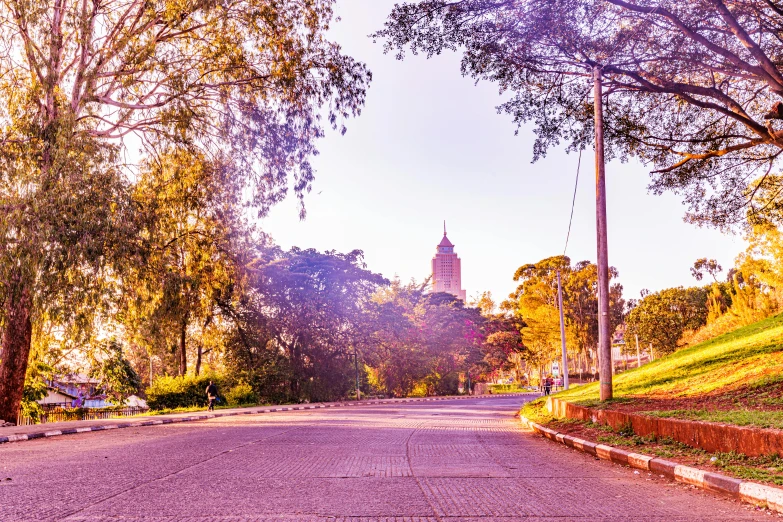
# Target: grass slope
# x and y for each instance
(750, 358)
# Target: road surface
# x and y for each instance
(450, 460)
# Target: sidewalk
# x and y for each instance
(55, 429)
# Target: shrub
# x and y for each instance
(182, 392)
(506, 388)
(242, 393)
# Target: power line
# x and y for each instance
(587, 94)
(573, 201)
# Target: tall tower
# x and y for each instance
(446, 269)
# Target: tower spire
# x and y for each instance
(444, 227)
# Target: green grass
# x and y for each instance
(536, 412)
(192, 409)
(752, 355)
(758, 419)
(766, 468)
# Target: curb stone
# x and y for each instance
(249, 411)
(750, 492)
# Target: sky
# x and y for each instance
(430, 146)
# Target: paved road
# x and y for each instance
(466, 460)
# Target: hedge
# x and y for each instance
(183, 392)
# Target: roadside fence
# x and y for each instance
(79, 414)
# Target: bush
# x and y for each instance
(182, 392)
(506, 388)
(242, 393)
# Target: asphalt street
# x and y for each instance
(450, 460)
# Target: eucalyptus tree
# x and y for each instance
(694, 89)
(84, 85)
(535, 303)
(194, 232)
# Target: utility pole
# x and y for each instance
(356, 366)
(604, 327)
(562, 332)
(638, 353)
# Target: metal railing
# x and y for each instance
(80, 414)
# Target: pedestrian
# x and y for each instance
(548, 385)
(212, 394)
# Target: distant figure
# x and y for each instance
(211, 395)
(548, 385)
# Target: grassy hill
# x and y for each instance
(735, 378)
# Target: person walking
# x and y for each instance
(547, 385)
(212, 394)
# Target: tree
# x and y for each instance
(398, 357)
(538, 288)
(423, 340)
(694, 87)
(193, 233)
(252, 82)
(116, 377)
(662, 317)
(705, 265)
(59, 230)
(484, 302)
(503, 346)
(313, 308)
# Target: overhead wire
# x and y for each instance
(579, 162)
(573, 202)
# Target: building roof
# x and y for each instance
(75, 378)
(61, 392)
(445, 242)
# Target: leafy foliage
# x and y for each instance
(702, 265)
(182, 391)
(693, 88)
(116, 377)
(241, 393)
(423, 340)
(246, 87)
(662, 317)
(535, 303)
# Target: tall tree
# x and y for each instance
(314, 307)
(695, 87)
(702, 265)
(194, 233)
(536, 295)
(423, 340)
(246, 80)
(662, 317)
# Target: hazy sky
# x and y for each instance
(430, 146)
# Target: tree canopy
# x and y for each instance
(693, 89)
(91, 90)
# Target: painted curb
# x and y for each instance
(750, 492)
(250, 411)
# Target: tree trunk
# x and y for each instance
(198, 358)
(17, 338)
(183, 357)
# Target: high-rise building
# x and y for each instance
(446, 269)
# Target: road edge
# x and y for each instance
(750, 492)
(5, 439)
